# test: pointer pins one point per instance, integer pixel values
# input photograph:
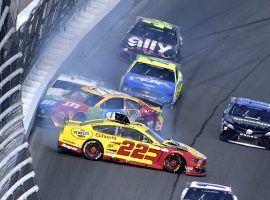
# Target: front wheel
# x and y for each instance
(264, 142)
(93, 150)
(173, 163)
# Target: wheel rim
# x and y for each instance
(93, 150)
(173, 163)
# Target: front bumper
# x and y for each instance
(47, 119)
(144, 95)
(196, 171)
(241, 138)
(127, 54)
(130, 55)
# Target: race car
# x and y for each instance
(155, 80)
(152, 37)
(67, 99)
(130, 142)
(246, 122)
(207, 191)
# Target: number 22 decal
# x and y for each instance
(127, 149)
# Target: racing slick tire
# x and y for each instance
(223, 138)
(79, 117)
(174, 163)
(93, 150)
(264, 142)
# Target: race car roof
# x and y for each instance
(157, 23)
(211, 186)
(100, 91)
(77, 79)
(252, 103)
(108, 121)
(157, 62)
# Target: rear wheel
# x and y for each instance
(174, 163)
(93, 150)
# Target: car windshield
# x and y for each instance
(155, 135)
(65, 85)
(166, 36)
(249, 112)
(152, 71)
(85, 97)
(206, 194)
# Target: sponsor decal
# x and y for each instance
(72, 105)
(251, 121)
(110, 137)
(148, 45)
(164, 150)
(138, 151)
(110, 145)
(249, 132)
(150, 80)
(248, 136)
(48, 102)
(69, 147)
(81, 133)
(111, 153)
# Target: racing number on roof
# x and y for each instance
(72, 105)
(139, 151)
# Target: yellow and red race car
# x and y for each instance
(130, 142)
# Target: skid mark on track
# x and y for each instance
(214, 16)
(174, 186)
(267, 19)
(226, 97)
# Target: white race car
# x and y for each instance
(207, 191)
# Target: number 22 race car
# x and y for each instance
(133, 143)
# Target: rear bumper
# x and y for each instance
(68, 147)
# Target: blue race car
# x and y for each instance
(155, 80)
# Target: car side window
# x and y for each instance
(131, 134)
(107, 129)
(130, 104)
(113, 103)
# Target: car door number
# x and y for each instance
(72, 105)
(128, 148)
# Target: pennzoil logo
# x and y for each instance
(80, 133)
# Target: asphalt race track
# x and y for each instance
(226, 53)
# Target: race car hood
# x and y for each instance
(249, 123)
(150, 83)
(149, 46)
(56, 93)
(183, 147)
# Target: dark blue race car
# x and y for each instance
(246, 122)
